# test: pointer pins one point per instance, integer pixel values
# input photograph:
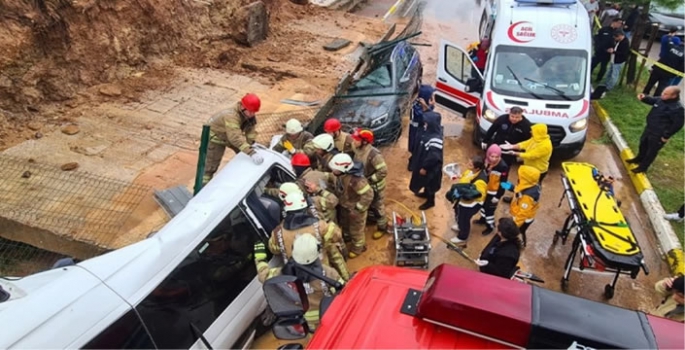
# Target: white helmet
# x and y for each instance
(305, 249)
(324, 142)
(295, 201)
(293, 126)
(341, 162)
(288, 188)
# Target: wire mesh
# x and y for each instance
(60, 211)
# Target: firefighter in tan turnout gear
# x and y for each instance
(314, 183)
(298, 221)
(355, 196)
(343, 141)
(375, 171)
(324, 150)
(233, 128)
(295, 140)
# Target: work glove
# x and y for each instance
(257, 159)
(289, 146)
(483, 146)
(506, 146)
(481, 263)
(506, 185)
(494, 200)
(259, 251)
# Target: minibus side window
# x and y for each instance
(126, 333)
(203, 285)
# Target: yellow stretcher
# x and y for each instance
(603, 238)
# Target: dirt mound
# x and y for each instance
(52, 50)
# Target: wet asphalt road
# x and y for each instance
(457, 22)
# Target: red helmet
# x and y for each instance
(251, 103)
(300, 159)
(363, 135)
(332, 125)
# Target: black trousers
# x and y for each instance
(524, 227)
(681, 211)
(487, 211)
(650, 145)
(464, 215)
(659, 76)
(602, 61)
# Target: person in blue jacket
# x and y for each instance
(424, 102)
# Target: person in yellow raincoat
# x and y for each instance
(535, 151)
(526, 200)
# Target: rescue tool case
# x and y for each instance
(412, 242)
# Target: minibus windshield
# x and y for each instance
(540, 73)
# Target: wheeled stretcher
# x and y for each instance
(603, 238)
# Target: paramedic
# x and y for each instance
(501, 255)
(227, 128)
(512, 128)
(663, 121)
(536, 151)
(498, 171)
(671, 307)
(466, 208)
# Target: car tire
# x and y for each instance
(398, 116)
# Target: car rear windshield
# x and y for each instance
(540, 73)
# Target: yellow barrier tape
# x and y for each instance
(597, 22)
(660, 65)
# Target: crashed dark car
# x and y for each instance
(667, 19)
(379, 99)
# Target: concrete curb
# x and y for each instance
(662, 228)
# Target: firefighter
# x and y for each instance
(526, 200)
(375, 171)
(355, 196)
(295, 140)
(467, 207)
(672, 291)
(427, 161)
(227, 128)
(498, 171)
(343, 140)
(314, 183)
(324, 150)
(299, 220)
(306, 252)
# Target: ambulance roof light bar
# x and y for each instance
(547, 2)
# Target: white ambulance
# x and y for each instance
(539, 60)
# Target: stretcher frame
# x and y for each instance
(576, 221)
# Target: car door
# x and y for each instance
(455, 68)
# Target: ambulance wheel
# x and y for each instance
(608, 291)
(564, 285)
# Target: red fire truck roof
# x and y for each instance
(377, 293)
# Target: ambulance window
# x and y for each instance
(457, 64)
(126, 333)
(203, 285)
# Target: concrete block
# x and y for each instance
(253, 24)
(663, 229)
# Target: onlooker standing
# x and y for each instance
(671, 306)
(664, 119)
(610, 14)
(604, 40)
(673, 58)
(678, 216)
(631, 20)
(512, 128)
(619, 56)
(592, 7)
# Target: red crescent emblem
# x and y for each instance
(512, 35)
